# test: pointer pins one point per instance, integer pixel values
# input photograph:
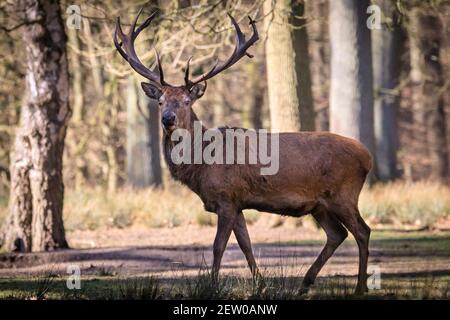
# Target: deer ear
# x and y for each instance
(197, 90)
(151, 90)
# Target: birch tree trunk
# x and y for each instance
(351, 90)
(34, 222)
(280, 64)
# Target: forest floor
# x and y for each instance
(169, 263)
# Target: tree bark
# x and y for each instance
(428, 102)
(252, 110)
(304, 89)
(77, 80)
(77, 141)
(136, 138)
(154, 128)
(280, 65)
(219, 107)
(351, 90)
(319, 49)
(386, 55)
(96, 69)
(143, 143)
(34, 222)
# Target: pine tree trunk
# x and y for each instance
(304, 89)
(35, 220)
(351, 90)
(280, 65)
(426, 73)
(386, 55)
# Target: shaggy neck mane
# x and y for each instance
(188, 174)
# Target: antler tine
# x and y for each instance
(239, 51)
(186, 72)
(131, 32)
(128, 52)
(160, 69)
(240, 37)
(118, 45)
(146, 23)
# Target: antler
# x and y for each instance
(239, 51)
(127, 51)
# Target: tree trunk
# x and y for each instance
(97, 75)
(77, 72)
(252, 110)
(154, 142)
(137, 155)
(280, 65)
(386, 55)
(77, 141)
(427, 77)
(219, 107)
(35, 220)
(143, 153)
(319, 49)
(304, 89)
(351, 91)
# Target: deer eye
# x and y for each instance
(186, 102)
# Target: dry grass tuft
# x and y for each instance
(420, 204)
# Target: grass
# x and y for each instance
(389, 206)
(422, 204)
(270, 286)
(281, 280)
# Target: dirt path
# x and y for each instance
(167, 252)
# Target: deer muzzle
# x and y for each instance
(168, 120)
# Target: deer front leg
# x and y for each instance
(243, 239)
(226, 218)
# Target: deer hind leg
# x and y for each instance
(243, 239)
(226, 218)
(336, 234)
(353, 221)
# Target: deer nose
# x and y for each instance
(168, 119)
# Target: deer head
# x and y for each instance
(176, 101)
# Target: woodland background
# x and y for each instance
(317, 66)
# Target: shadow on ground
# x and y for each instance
(396, 253)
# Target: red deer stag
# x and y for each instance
(319, 173)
